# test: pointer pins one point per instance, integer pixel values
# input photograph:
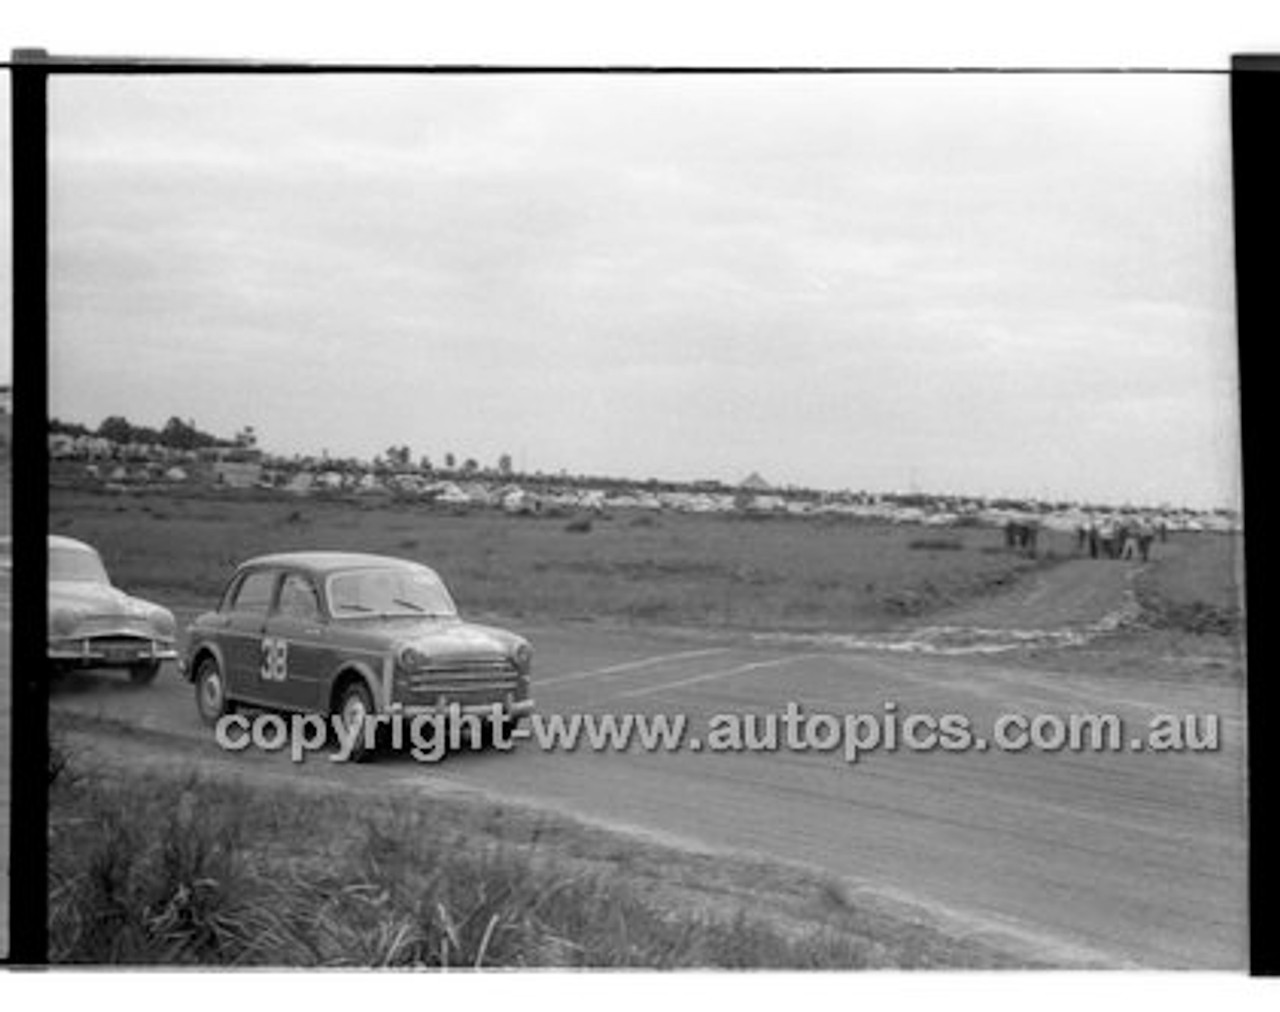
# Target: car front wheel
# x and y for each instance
(355, 706)
(211, 692)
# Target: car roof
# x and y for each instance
(325, 563)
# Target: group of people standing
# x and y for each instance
(1114, 537)
(1022, 535)
(1105, 537)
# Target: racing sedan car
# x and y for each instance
(353, 635)
(95, 625)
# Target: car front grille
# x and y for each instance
(108, 649)
(469, 666)
(472, 679)
(117, 642)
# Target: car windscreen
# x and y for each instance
(75, 565)
(389, 592)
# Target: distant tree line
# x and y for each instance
(178, 434)
(175, 434)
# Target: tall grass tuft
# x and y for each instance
(163, 890)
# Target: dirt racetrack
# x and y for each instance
(1115, 858)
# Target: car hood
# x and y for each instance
(77, 608)
(96, 599)
(444, 640)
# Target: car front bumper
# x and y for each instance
(91, 653)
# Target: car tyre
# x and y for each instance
(144, 673)
(211, 692)
(354, 705)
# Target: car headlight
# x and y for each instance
(523, 658)
(411, 657)
(63, 623)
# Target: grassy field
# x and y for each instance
(171, 866)
(781, 573)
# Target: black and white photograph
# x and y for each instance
(781, 519)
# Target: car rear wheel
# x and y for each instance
(144, 673)
(355, 706)
(211, 692)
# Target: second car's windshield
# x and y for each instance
(75, 565)
(389, 592)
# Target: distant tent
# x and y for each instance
(754, 483)
(237, 474)
(369, 484)
(300, 483)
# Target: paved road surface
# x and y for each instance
(1127, 858)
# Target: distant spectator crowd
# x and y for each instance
(1107, 536)
(1120, 538)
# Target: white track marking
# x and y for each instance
(711, 676)
(618, 669)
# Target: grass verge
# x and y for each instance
(172, 867)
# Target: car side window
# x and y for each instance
(253, 596)
(298, 599)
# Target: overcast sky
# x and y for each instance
(976, 284)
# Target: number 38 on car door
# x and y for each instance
(275, 659)
(293, 645)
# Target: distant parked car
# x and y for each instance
(354, 635)
(93, 624)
